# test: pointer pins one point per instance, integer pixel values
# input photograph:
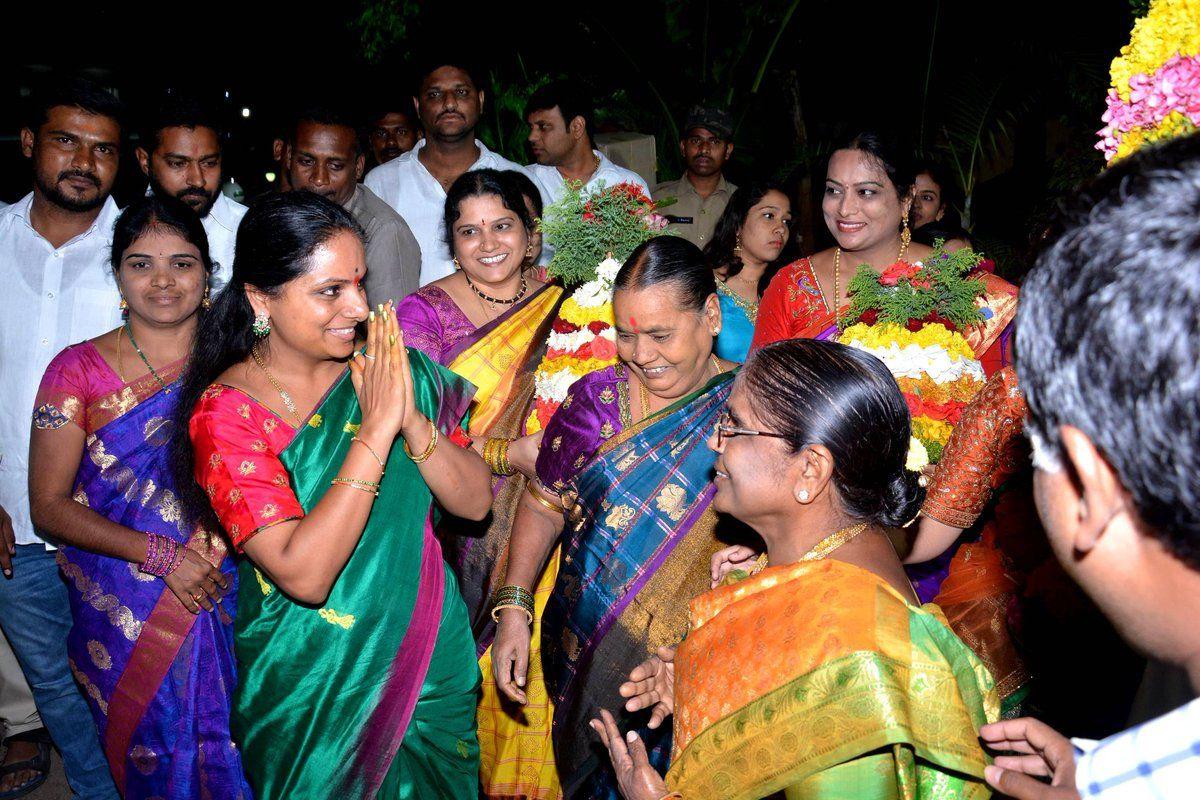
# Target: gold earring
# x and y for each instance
(737, 244)
(456, 264)
(206, 303)
(905, 234)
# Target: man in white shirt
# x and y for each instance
(180, 154)
(560, 135)
(449, 103)
(1107, 339)
(54, 250)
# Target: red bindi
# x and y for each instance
(633, 324)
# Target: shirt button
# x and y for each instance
(704, 211)
(50, 295)
(45, 342)
(58, 254)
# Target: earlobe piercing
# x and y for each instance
(802, 495)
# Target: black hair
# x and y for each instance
(398, 105)
(889, 153)
(1108, 331)
(481, 183)
(819, 392)
(528, 189)
(177, 110)
(152, 211)
(720, 248)
(434, 61)
(73, 92)
(669, 259)
(274, 245)
(325, 115)
(567, 98)
(939, 173)
(943, 229)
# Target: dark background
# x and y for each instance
(1009, 94)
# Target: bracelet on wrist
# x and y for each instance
(433, 443)
(512, 596)
(359, 485)
(371, 450)
(497, 609)
(163, 555)
(533, 492)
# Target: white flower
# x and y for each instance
(607, 270)
(569, 342)
(593, 293)
(914, 361)
(918, 456)
(554, 386)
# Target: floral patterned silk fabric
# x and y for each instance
(818, 679)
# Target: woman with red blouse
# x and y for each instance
(321, 458)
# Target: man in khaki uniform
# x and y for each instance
(702, 193)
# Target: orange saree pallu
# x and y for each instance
(818, 679)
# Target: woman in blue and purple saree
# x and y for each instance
(152, 637)
(625, 455)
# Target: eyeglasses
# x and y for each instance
(727, 430)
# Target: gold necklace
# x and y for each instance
(837, 278)
(287, 398)
(833, 541)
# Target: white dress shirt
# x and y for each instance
(221, 225)
(1158, 759)
(52, 298)
(553, 185)
(407, 186)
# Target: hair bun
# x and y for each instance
(901, 499)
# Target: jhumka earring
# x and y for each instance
(206, 304)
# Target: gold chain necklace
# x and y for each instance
(833, 541)
(121, 367)
(837, 278)
(287, 398)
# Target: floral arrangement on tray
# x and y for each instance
(592, 234)
(911, 317)
(1155, 91)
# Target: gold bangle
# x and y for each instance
(372, 484)
(433, 442)
(382, 464)
(356, 486)
(534, 494)
(495, 453)
(498, 608)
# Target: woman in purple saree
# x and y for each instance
(152, 640)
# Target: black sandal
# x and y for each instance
(39, 764)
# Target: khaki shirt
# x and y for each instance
(393, 255)
(691, 216)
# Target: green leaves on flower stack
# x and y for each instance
(936, 290)
(584, 228)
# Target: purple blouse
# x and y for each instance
(595, 409)
(433, 323)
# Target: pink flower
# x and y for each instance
(603, 349)
(893, 274)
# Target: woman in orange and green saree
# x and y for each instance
(489, 323)
(819, 675)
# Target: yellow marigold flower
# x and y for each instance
(576, 314)
(886, 334)
(1170, 27)
(931, 430)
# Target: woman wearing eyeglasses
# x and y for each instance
(625, 455)
(819, 675)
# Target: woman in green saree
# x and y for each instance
(819, 675)
(320, 461)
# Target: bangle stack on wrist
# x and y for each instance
(382, 467)
(163, 555)
(433, 443)
(495, 453)
(357, 483)
(512, 596)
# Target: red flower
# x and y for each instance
(987, 265)
(560, 325)
(596, 326)
(588, 216)
(603, 349)
(901, 269)
(869, 317)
